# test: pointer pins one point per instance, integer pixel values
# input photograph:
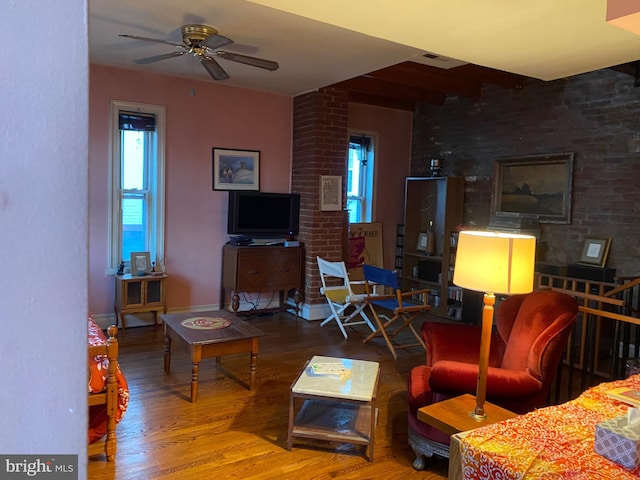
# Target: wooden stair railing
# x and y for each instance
(606, 331)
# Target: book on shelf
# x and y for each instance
(626, 395)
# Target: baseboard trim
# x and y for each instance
(104, 320)
(319, 311)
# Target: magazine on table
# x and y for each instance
(332, 369)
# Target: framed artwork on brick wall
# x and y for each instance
(537, 186)
(330, 193)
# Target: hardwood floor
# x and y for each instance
(232, 432)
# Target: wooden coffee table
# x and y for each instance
(207, 335)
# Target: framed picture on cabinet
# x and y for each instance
(140, 263)
(595, 251)
(236, 169)
(423, 240)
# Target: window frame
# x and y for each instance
(156, 186)
(368, 180)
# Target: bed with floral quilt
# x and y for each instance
(107, 389)
(554, 442)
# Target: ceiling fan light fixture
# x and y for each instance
(202, 41)
(193, 34)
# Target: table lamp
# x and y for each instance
(491, 263)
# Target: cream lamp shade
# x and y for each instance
(495, 262)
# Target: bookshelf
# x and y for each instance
(435, 201)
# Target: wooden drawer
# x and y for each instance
(267, 271)
(262, 269)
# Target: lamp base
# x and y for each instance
(483, 362)
(479, 415)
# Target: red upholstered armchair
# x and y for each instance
(529, 338)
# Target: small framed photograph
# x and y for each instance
(330, 193)
(236, 169)
(595, 251)
(140, 263)
(423, 240)
(454, 312)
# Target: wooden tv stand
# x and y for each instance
(261, 269)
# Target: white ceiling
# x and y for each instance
(318, 43)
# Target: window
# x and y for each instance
(360, 178)
(137, 182)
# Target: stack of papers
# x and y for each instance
(333, 369)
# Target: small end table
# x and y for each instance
(336, 409)
(140, 294)
(453, 416)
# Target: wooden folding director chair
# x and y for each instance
(344, 304)
(395, 301)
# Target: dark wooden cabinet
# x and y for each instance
(261, 269)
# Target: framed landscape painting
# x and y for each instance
(536, 186)
(236, 169)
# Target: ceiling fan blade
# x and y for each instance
(247, 60)
(157, 58)
(216, 41)
(146, 39)
(214, 68)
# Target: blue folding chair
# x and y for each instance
(397, 303)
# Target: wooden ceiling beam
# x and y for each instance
(487, 75)
(628, 68)
(396, 91)
(403, 85)
(378, 101)
(426, 77)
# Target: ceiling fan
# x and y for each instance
(203, 43)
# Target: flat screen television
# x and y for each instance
(262, 214)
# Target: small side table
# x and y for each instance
(335, 409)
(453, 416)
(139, 294)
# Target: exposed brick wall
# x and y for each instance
(594, 115)
(320, 144)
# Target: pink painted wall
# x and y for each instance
(392, 166)
(217, 115)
